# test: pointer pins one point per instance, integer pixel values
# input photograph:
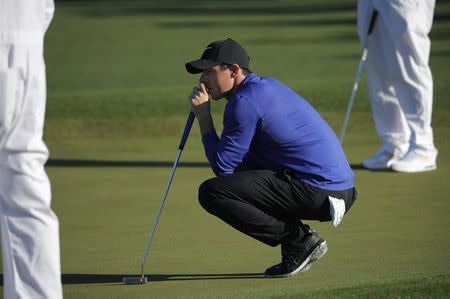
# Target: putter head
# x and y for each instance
(135, 280)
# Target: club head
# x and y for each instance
(135, 280)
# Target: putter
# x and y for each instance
(357, 77)
(142, 279)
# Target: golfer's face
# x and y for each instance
(218, 82)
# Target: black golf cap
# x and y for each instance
(219, 52)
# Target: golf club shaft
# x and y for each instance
(352, 96)
(184, 137)
(357, 77)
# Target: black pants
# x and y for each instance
(268, 205)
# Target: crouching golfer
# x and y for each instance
(277, 161)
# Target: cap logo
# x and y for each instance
(206, 50)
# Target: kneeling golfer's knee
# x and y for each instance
(207, 195)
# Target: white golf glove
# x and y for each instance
(337, 209)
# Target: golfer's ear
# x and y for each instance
(234, 68)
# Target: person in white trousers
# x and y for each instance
(400, 82)
(29, 228)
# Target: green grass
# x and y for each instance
(428, 287)
(117, 92)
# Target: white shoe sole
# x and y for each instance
(314, 256)
(413, 170)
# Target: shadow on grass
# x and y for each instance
(111, 163)
(118, 278)
(354, 166)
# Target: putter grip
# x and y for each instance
(187, 129)
(372, 21)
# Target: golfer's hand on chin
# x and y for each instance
(199, 98)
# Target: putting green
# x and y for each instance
(116, 109)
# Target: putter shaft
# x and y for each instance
(184, 137)
(158, 214)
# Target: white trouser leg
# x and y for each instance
(410, 24)
(29, 228)
(30, 237)
(399, 79)
(390, 122)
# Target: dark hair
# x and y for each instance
(245, 72)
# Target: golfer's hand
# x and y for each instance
(199, 99)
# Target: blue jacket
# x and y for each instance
(266, 125)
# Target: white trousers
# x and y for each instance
(398, 76)
(29, 228)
